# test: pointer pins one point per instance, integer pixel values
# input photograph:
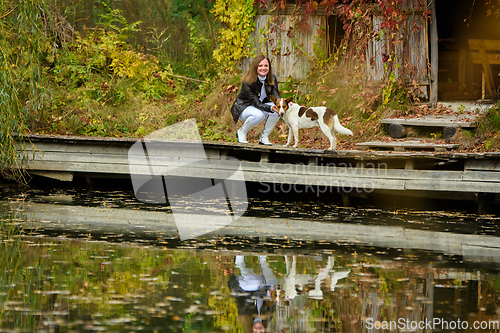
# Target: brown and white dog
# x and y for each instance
(297, 117)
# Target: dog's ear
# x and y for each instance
(288, 100)
(273, 99)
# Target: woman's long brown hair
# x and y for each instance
(251, 75)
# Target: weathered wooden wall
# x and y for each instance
(411, 54)
(289, 49)
(292, 56)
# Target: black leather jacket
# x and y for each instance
(249, 95)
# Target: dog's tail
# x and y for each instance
(339, 128)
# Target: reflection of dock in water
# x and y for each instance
(154, 225)
(321, 287)
(438, 175)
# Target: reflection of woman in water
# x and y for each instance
(250, 291)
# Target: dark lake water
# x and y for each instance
(83, 261)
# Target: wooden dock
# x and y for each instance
(463, 176)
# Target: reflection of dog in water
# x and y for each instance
(293, 282)
(253, 293)
(297, 293)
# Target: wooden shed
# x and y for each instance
(442, 55)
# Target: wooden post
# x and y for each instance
(429, 295)
(433, 98)
(488, 76)
(483, 86)
(462, 70)
(410, 164)
(223, 154)
(484, 203)
(346, 199)
(264, 158)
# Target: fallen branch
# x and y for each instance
(188, 78)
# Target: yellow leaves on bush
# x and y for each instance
(105, 50)
(131, 64)
(236, 17)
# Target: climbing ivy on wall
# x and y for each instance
(375, 32)
(237, 18)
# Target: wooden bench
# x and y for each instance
(486, 52)
(449, 123)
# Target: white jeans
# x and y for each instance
(256, 116)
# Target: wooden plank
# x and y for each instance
(54, 151)
(488, 44)
(170, 148)
(78, 147)
(410, 144)
(482, 164)
(62, 176)
(84, 158)
(94, 159)
(462, 120)
(118, 169)
(126, 170)
(493, 59)
(454, 186)
(482, 176)
(369, 170)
